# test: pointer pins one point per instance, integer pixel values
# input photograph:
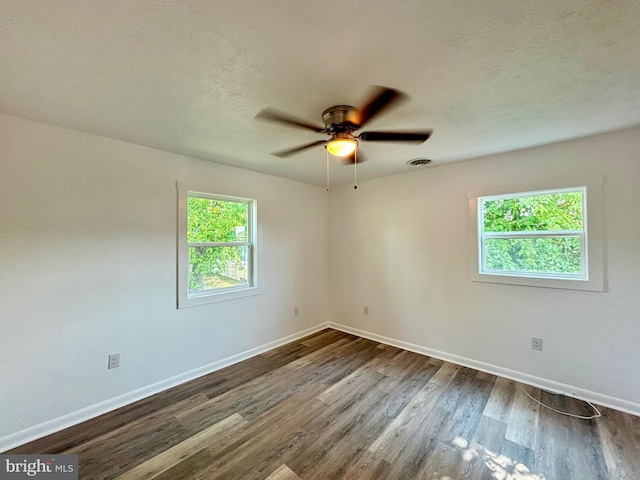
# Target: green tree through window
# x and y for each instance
(536, 234)
(219, 242)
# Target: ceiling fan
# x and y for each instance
(341, 122)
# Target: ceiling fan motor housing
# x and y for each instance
(341, 118)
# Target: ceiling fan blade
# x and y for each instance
(274, 116)
(417, 137)
(293, 151)
(382, 98)
(350, 160)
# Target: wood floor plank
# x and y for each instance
(516, 454)
(500, 465)
(472, 395)
(336, 406)
(174, 455)
(490, 434)
(188, 467)
(369, 466)
(567, 447)
(410, 384)
(258, 394)
(262, 453)
(410, 460)
(320, 352)
(443, 453)
(445, 374)
(159, 429)
(388, 355)
(268, 424)
(321, 336)
(487, 441)
(333, 456)
(401, 430)
(352, 382)
(486, 376)
(283, 473)
(136, 428)
(392, 360)
(105, 424)
(291, 382)
(249, 370)
(474, 464)
(523, 417)
(619, 432)
(442, 463)
(457, 389)
(436, 361)
(333, 422)
(499, 404)
(117, 458)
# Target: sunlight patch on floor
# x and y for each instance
(501, 466)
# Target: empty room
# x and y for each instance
(320, 240)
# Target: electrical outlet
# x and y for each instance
(366, 310)
(114, 361)
(296, 311)
(536, 343)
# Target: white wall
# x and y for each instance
(399, 245)
(88, 268)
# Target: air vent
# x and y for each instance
(416, 162)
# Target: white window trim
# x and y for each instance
(218, 295)
(592, 279)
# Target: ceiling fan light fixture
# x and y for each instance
(341, 146)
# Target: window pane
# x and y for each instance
(210, 220)
(559, 211)
(217, 267)
(533, 255)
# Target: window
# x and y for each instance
(539, 237)
(538, 234)
(216, 247)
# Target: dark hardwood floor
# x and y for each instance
(335, 406)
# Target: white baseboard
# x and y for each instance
(549, 385)
(47, 428)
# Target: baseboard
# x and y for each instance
(550, 385)
(47, 428)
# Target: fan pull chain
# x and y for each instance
(327, 170)
(355, 169)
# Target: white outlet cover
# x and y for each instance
(536, 343)
(114, 361)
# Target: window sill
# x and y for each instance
(567, 284)
(205, 299)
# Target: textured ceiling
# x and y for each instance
(189, 76)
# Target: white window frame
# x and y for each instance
(186, 299)
(591, 276)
